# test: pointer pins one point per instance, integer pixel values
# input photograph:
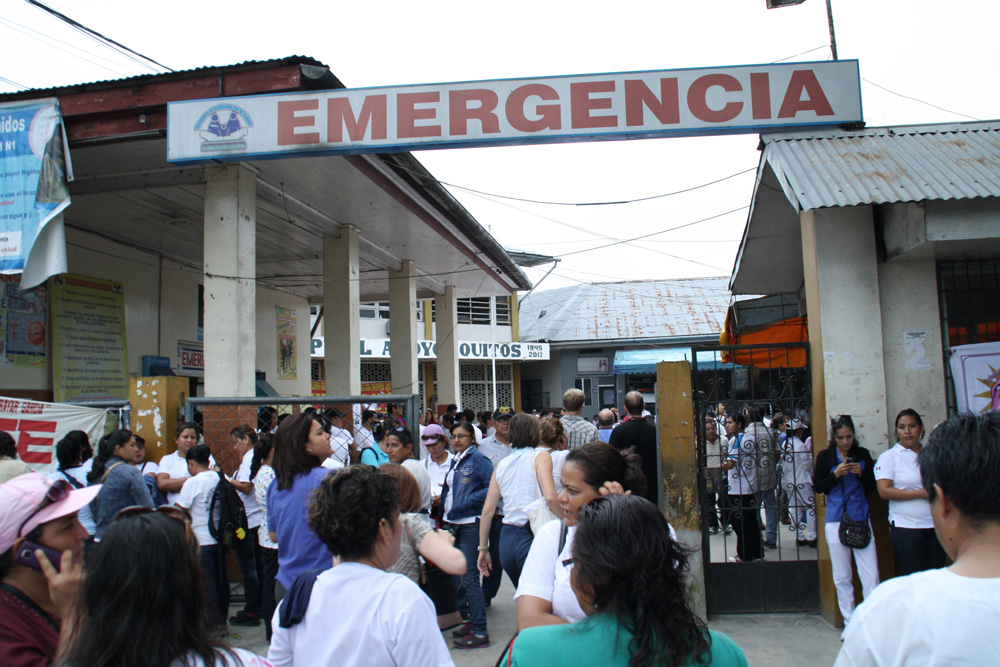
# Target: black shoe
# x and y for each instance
(812, 544)
(488, 602)
(472, 640)
(245, 619)
(801, 543)
(462, 631)
(770, 545)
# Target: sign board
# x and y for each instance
(592, 365)
(378, 348)
(685, 102)
(36, 428)
(976, 372)
(22, 324)
(191, 358)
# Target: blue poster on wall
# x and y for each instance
(34, 171)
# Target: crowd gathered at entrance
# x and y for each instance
(374, 547)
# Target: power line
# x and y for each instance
(917, 99)
(44, 39)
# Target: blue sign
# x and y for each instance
(33, 187)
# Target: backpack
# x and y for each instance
(231, 528)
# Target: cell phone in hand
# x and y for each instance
(25, 555)
(848, 460)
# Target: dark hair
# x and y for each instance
(409, 491)
(837, 423)
(7, 557)
(909, 412)
(265, 417)
(200, 454)
(106, 450)
(453, 408)
(549, 430)
(8, 447)
(243, 431)
(67, 452)
(263, 447)
(465, 426)
(739, 418)
(405, 439)
(366, 415)
(630, 567)
(347, 507)
(600, 463)
(290, 457)
(448, 421)
(523, 431)
(144, 611)
(379, 431)
(183, 426)
(754, 412)
(468, 415)
(140, 442)
(962, 456)
(82, 442)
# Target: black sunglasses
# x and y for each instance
(58, 490)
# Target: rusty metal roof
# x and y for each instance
(626, 311)
(882, 165)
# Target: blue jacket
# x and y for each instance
(472, 482)
(121, 488)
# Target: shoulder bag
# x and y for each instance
(438, 586)
(854, 534)
(541, 515)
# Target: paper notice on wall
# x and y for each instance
(975, 370)
(288, 367)
(914, 341)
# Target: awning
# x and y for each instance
(643, 362)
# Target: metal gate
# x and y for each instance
(769, 379)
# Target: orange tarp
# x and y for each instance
(792, 330)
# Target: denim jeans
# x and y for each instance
(491, 584)
(468, 543)
(213, 566)
(515, 542)
(769, 500)
(248, 554)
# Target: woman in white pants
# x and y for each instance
(845, 473)
(796, 480)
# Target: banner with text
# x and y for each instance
(379, 348)
(89, 352)
(685, 102)
(975, 370)
(36, 428)
(33, 190)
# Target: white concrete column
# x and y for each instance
(403, 330)
(341, 313)
(845, 322)
(447, 348)
(230, 282)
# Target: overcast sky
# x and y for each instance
(945, 54)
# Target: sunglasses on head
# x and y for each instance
(172, 511)
(58, 490)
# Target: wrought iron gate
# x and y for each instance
(771, 379)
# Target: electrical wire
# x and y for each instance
(12, 83)
(917, 99)
(48, 41)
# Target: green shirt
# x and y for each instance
(597, 641)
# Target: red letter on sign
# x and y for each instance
(760, 95)
(27, 426)
(637, 95)
(288, 121)
(549, 112)
(698, 105)
(407, 115)
(581, 104)
(339, 114)
(804, 80)
(459, 113)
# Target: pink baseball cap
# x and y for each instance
(432, 432)
(27, 503)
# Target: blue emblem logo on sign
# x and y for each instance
(223, 128)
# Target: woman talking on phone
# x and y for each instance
(845, 473)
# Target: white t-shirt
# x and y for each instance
(933, 618)
(254, 513)
(437, 472)
(544, 575)
(260, 483)
(196, 497)
(246, 658)
(148, 468)
(340, 442)
(392, 623)
(900, 465)
(363, 438)
(177, 467)
(420, 474)
(518, 485)
(331, 463)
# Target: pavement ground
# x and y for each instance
(771, 640)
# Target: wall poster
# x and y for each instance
(22, 324)
(288, 367)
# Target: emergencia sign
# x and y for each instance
(684, 102)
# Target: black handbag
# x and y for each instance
(854, 534)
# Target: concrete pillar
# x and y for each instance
(230, 282)
(341, 313)
(403, 331)
(846, 355)
(447, 348)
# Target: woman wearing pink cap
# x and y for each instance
(39, 533)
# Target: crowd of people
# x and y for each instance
(371, 547)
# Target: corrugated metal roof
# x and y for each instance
(626, 310)
(886, 164)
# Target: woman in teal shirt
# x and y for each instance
(628, 577)
(375, 455)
